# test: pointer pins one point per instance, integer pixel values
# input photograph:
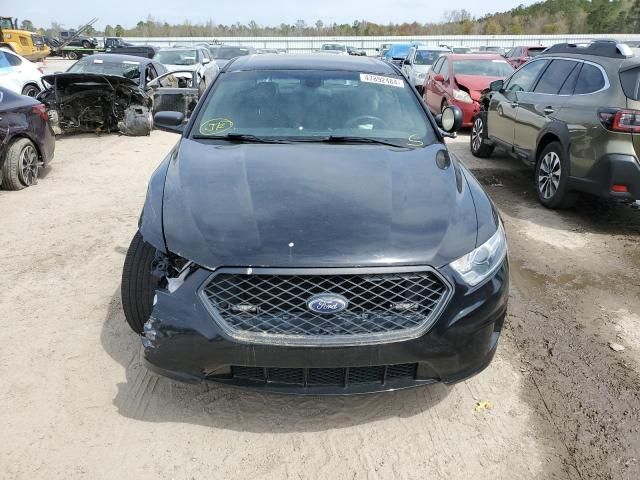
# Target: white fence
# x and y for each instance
(369, 44)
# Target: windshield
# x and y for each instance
(127, 69)
(177, 57)
(398, 51)
(6, 23)
(312, 105)
(485, 68)
(227, 53)
(534, 52)
(427, 57)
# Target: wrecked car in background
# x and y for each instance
(90, 102)
(103, 102)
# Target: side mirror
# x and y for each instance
(496, 85)
(169, 121)
(439, 78)
(450, 120)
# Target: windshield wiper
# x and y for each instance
(350, 139)
(240, 137)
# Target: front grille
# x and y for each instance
(326, 377)
(270, 306)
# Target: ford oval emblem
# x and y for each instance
(327, 303)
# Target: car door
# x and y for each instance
(10, 73)
(176, 91)
(438, 86)
(540, 106)
(429, 83)
(407, 65)
(501, 117)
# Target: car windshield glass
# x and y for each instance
(427, 57)
(312, 105)
(486, 68)
(534, 52)
(128, 69)
(398, 51)
(177, 57)
(227, 53)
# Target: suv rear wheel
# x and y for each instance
(551, 178)
(478, 137)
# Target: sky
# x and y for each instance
(71, 13)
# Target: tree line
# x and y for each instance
(547, 17)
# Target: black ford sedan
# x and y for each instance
(311, 233)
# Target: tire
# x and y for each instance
(444, 105)
(21, 165)
(478, 137)
(86, 44)
(30, 90)
(72, 55)
(138, 285)
(551, 179)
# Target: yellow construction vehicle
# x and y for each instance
(28, 44)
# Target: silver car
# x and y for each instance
(418, 61)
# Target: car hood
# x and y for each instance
(475, 83)
(63, 79)
(315, 205)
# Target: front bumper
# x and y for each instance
(469, 111)
(182, 341)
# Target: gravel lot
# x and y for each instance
(557, 402)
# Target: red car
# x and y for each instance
(459, 80)
(518, 56)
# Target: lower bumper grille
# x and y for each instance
(326, 377)
(272, 306)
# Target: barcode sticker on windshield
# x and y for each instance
(392, 82)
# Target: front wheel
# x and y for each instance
(478, 139)
(86, 44)
(138, 285)
(552, 178)
(30, 90)
(72, 55)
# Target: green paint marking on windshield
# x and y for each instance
(415, 141)
(215, 126)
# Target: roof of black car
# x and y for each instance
(314, 61)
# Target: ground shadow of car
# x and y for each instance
(147, 397)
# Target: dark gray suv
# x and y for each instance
(573, 114)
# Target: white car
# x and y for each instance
(18, 74)
(337, 48)
(419, 61)
(196, 59)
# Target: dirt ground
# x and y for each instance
(75, 402)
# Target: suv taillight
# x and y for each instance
(620, 120)
(41, 110)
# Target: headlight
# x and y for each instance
(462, 96)
(420, 75)
(481, 263)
